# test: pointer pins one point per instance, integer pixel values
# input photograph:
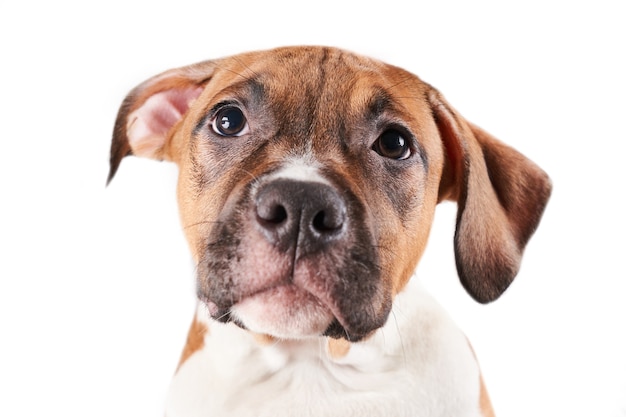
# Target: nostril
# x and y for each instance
(274, 213)
(327, 222)
(318, 221)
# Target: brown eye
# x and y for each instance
(230, 121)
(391, 144)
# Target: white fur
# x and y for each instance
(303, 168)
(419, 364)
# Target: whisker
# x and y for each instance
(408, 78)
(223, 315)
(233, 71)
(384, 248)
(253, 177)
(202, 222)
(412, 97)
(395, 321)
(246, 66)
(348, 338)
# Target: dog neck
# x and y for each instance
(398, 361)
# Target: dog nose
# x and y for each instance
(308, 215)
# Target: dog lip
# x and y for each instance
(221, 314)
(336, 328)
(301, 291)
(284, 310)
(267, 289)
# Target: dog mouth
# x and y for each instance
(284, 311)
(294, 260)
(319, 295)
(290, 311)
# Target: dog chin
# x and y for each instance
(286, 312)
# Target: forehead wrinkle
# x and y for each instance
(371, 102)
(244, 90)
(379, 103)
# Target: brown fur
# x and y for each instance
(331, 106)
(195, 340)
(491, 182)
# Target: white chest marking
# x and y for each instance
(418, 364)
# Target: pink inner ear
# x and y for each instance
(149, 125)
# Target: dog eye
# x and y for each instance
(230, 121)
(391, 144)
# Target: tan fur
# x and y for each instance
(485, 403)
(195, 340)
(264, 339)
(338, 348)
(501, 194)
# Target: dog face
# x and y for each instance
(308, 183)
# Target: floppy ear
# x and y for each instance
(501, 196)
(147, 117)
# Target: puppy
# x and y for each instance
(308, 181)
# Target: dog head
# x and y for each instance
(308, 182)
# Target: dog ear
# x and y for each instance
(501, 196)
(148, 114)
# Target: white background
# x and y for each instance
(96, 285)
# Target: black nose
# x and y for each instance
(307, 215)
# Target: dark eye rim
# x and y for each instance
(220, 109)
(404, 134)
